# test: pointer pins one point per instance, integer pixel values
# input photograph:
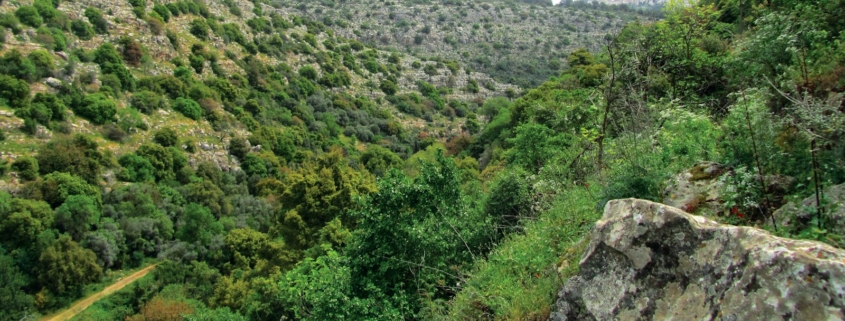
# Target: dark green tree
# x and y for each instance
(65, 267)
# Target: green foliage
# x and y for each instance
(101, 26)
(188, 107)
(16, 65)
(388, 87)
(379, 160)
(13, 92)
(136, 169)
(166, 137)
(520, 279)
(77, 155)
(65, 266)
(198, 225)
(97, 108)
(161, 160)
(28, 15)
(77, 215)
(27, 168)
(43, 61)
(147, 101)
(199, 28)
(17, 303)
(57, 187)
(82, 29)
(410, 219)
(318, 192)
(534, 144)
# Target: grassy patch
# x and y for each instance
(520, 279)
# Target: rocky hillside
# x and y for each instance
(515, 42)
(213, 39)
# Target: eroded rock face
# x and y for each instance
(648, 261)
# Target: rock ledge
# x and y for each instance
(648, 261)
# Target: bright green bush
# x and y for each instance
(97, 108)
(28, 15)
(188, 107)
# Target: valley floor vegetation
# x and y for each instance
(344, 212)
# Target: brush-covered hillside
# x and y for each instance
(272, 169)
(513, 41)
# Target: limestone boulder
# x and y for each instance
(649, 261)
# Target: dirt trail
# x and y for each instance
(85, 303)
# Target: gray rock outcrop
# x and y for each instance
(648, 261)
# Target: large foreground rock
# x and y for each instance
(648, 261)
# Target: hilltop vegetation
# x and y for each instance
(132, 133)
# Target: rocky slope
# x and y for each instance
(651, 261)
(514, 42)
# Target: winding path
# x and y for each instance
(80, 306)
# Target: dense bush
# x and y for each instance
(188, 107)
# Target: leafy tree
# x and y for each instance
(23, 220)
(198, 225)
(51, 103)
(77, 215)
(107, 242)
(101, 26)
(77, 155)
(320, 191)
(161, 160)
(57, 187)
(308, 72)
(162, 11)
(238, 147)
(65, 266)
(407, 220)
(16, 302)
(379, 160)
(253, 164)
(535, 144)
(27, 168)
(28, 15)
(210, 196)
(14, 92)
(136, 169)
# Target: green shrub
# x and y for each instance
(77, 155)
(28, 15)
(101, 26)
(147, 101)
(43, 62)
(166, 137)
(27, 168)
(97, 108)
(199, 28)
(162, 11)
(14, 92)
(188, 107)
(135, 169)
(15, 64)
